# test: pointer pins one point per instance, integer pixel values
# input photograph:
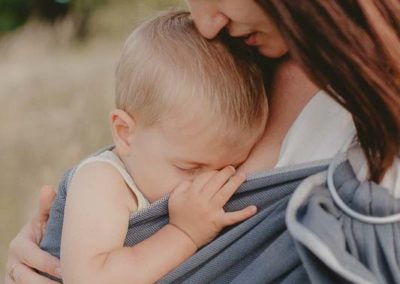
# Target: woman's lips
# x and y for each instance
(251, 39)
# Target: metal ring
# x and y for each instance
(346, 209)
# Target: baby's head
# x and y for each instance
(185, 104)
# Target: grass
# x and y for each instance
(55, 96)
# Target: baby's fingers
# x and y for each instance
(217, 181)
(225, 193)
(180, 190)
(231, 218)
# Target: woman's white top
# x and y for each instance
(322, 130)
(112, 159)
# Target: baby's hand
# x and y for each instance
(196, 208)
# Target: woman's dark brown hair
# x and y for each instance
(351, 49)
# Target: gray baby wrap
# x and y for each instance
(299, 234)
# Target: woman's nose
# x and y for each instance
(208, 22)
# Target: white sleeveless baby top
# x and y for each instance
(112, 159)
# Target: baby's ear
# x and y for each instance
(122, 128)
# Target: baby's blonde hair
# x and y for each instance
(166, 60)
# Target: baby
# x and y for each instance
(188, 113)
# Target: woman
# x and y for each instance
(351, 49)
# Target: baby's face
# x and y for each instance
(164, 155)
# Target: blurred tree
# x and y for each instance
(82, 12)
(14, 13)
(50, 10)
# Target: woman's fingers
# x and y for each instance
(231, 218)
(24, 275)
(25, 254)
(30, 254)
(47, 195)
(225, 192)
(217, 181)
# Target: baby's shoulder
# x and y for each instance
(96, 171)
(99, 179)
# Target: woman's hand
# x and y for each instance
(24, 253)
(196, 208)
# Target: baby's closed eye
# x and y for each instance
(188, 169)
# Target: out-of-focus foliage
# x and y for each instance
(50, 10)
(14, 13)
(82, 11)
(55, 97)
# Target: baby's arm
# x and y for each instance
(96, 221)
(95, 226)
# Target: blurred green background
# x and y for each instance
(56, 90)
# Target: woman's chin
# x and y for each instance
(272, 52)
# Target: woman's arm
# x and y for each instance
(24, 253)
(96, 221)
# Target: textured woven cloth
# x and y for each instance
(320, 244)
(259, 250)
(358, 242)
